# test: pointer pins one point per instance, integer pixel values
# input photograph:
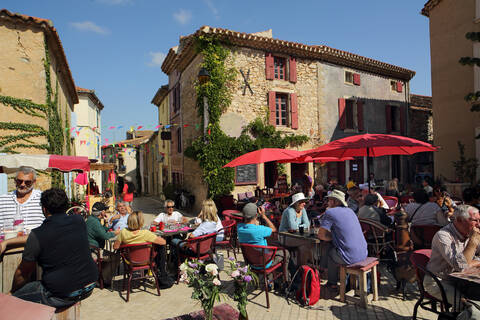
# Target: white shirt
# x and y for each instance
(30, 210)
(176, 217)
(218, 227)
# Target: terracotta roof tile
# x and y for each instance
(92, 95)
(179, 59)
(50, 32)
(429, 6)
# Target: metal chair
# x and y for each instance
(202, 247)
(392, 202)
(229, 237)
(422, 235)
(378, 237)
(138, 258)
(419, 259)
(261, 260)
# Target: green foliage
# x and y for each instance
(67, 134)
(242, 277)
(465, 169)
(12, 142)
(24, 106)
(215, 149)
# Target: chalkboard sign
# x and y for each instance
(246, 174)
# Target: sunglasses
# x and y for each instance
(28, 183)
(170, 207)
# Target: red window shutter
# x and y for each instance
(388, 118)
(272, 108)
(294, 110)
(342, 120)
(292, 67)
(356, 79)
(360, 115)
(403, 124)
(399, 86)
(269, 66)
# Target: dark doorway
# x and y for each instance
(396, 172)
(297, 171)
(271, 174)
(356, 170)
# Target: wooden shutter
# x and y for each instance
(388, 118)
(356, 79)
(399, 86)
(294, 110)
(342, 120)
(403, 124)
(292, 69)
(272, 108)
(360, 115)
(269, 67)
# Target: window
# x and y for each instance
(349, 111)
(279, 68)
(349, 77)
(395, 118)
(179, 140)
(176, 98)
(396, 86)
(281, 109)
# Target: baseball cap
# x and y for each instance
(250, 210)
(99, 206)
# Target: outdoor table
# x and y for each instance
(470, 278)
(306, 237)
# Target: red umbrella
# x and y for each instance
(370, 145)
(263, 155)
(304, 159)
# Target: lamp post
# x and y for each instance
(203, 78)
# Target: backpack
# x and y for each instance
(309, 291)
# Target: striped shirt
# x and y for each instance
(30, 210)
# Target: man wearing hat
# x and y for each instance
(97, 235)
(341, 228)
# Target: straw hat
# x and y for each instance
(339, 195)
(298, 197)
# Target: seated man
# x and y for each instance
(372, 210)
(170, 216)
(454, 248)
(341, 228)
(97, 234)
(60, 247)
(119, 220)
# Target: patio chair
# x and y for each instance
(419, 259)
(379, 238)
(242, 196)
(422, 235)
(229, 237)
(138, 263)
(259, 257)
(202, 248)
(249, 194)
(227, 214)
(97, 258)
(392, 202)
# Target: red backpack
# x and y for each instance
(309, 291)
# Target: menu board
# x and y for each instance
(246, 174)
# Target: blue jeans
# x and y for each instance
(35, 292)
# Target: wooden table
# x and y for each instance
(468, 278)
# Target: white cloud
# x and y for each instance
(182, 16)
(89, 26)
(115, 2)
(156, 58)
(212, 7)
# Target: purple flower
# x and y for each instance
(247, 278)
(244, 269)
(231, 259)
(192, 265)
(196, 271)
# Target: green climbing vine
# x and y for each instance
(215, 149)
(54, 135)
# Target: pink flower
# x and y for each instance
(235, 274)
(216, 282)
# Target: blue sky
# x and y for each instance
(116, 46)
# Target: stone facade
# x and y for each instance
(318, 87)
(449, 21)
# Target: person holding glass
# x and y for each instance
(171, 216)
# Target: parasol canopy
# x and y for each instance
(11, 162)
(305, 159)
(264, 155)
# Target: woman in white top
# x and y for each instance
(206, 218)
(170, 216)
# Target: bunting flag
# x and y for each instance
(77, 132)
(139, 127)
(112, 127)
(167, 126)
(94, 128)
(185, 125)
(158, 126)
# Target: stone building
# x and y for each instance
(420, 127)
(37, 91)
(87, 122)
(449, 21)
(318, 91)
(161, 100)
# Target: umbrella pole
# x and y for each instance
(368, 169)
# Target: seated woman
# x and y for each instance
(372, 211)
(133, 234)
(207, 216)
(424, 212)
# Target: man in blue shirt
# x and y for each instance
(341, 228)
(119, 221)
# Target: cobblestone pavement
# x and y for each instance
(144, 303)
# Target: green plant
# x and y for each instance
(243, 277)
(203, 279)
(472, 97)
(465, 168)
(169, 191)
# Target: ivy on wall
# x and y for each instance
(49, 110)
(215, 149)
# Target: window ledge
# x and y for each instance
(350, 130)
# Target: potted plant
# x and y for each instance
(203, 279)
(242, 277)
